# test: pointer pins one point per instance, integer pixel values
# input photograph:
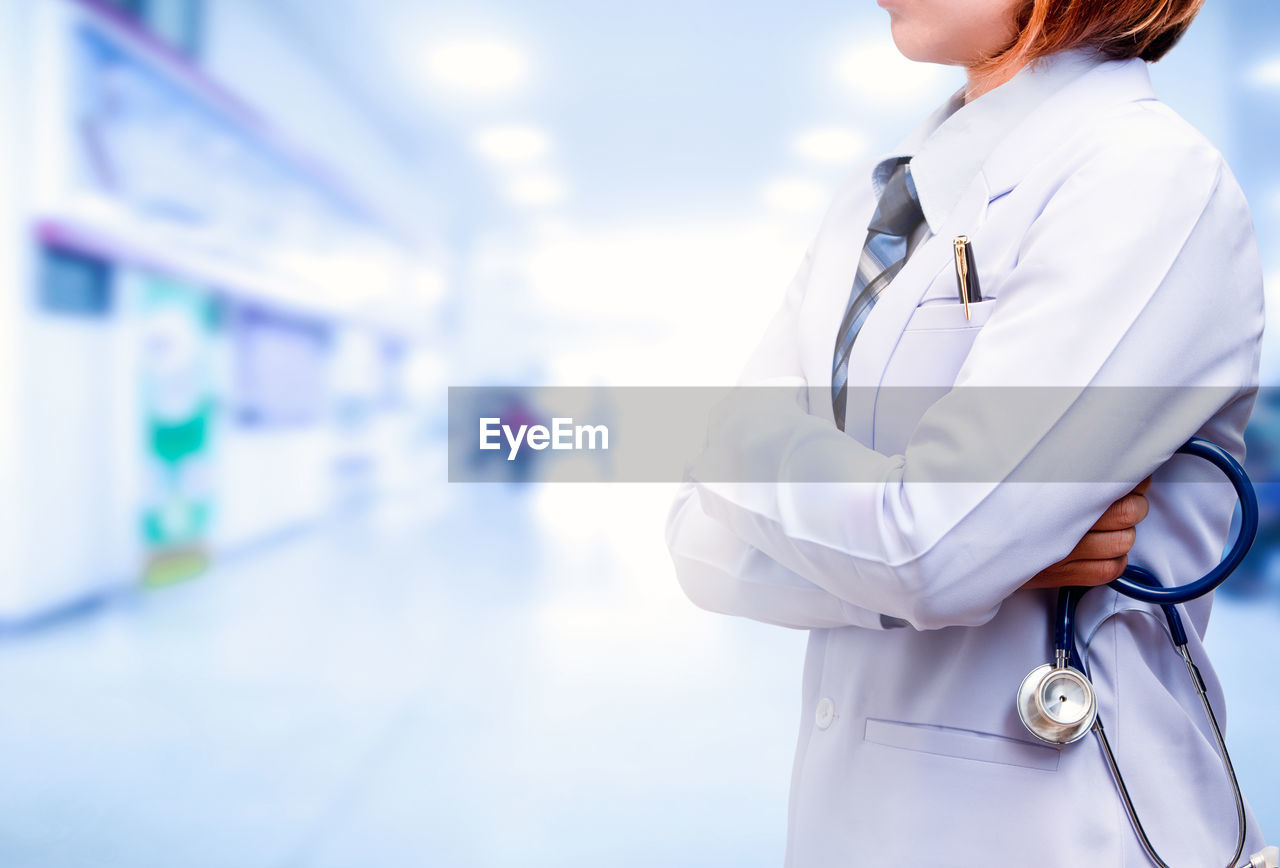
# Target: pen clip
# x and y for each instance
(962, 271)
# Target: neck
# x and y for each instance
(976, 87)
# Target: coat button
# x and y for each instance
(826, 713)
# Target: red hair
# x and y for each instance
(1119, 28)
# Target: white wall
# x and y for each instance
(260, 53)
(13, 268)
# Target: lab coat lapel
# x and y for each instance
(884, 325)
(1064, 114)
(1109, 83)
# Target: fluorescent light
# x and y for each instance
(795, 195)
(427, 284)
(536, 190)
(513, 145)
(877, 72)
(478, 68)
(833, 146)
(1266, 73)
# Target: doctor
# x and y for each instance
(1115, 249)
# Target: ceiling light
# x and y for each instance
(834, 146)
(427, 284)
(795, 195)
(536, 190)
(477, 67)
(513, 145)
(1266, 73)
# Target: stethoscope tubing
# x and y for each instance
(1178, 636)
(1131, 583)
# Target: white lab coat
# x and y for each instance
(1115, 248)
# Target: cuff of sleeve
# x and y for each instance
(869, 620)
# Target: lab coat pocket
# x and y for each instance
(935, 315)
(924, 365)
(934, 343)
(961, 744)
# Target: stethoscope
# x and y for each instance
(1056, 701)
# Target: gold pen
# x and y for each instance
(962, 270)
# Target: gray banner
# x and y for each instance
(784, 433)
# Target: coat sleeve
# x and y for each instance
(721, 572)
(1141, 271)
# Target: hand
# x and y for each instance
(1103, 552)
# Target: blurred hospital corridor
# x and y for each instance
(248, 246)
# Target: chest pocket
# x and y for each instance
(925, 361)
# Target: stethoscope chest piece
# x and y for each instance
(1057, 704)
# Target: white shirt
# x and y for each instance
(1115, 249)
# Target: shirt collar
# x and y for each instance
(949, 147)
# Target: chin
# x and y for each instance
(911, 46)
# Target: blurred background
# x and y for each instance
(247, 244)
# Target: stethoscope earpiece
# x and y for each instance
(1056, 703)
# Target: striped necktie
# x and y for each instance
(897, 215)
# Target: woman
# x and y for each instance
(1114, 249)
